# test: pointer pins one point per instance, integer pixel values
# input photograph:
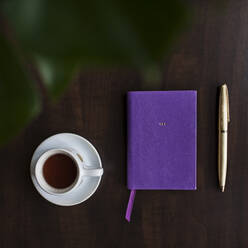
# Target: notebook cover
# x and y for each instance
(161, 140)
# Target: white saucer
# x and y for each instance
(91, 157)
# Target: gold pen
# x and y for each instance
(224, 118)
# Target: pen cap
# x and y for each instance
(224, 116)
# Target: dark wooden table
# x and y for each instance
(214, 50)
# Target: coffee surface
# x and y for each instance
(60, 171)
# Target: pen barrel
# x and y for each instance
(222, 157)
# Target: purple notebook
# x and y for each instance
(161, 153)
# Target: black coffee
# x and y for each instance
(60, 171)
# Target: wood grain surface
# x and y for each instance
(212, 51)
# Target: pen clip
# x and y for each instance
(228, 110)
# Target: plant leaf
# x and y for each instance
(56, 74)
(65, 33)
(19, 101)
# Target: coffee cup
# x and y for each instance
(60, 171)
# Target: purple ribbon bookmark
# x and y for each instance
(130, 205)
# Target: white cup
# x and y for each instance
(83, 170)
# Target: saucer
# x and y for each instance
(91, 157)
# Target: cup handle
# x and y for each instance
(91, 172)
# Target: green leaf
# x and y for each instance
(68, 33)
(19, 101)
(56, 74)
